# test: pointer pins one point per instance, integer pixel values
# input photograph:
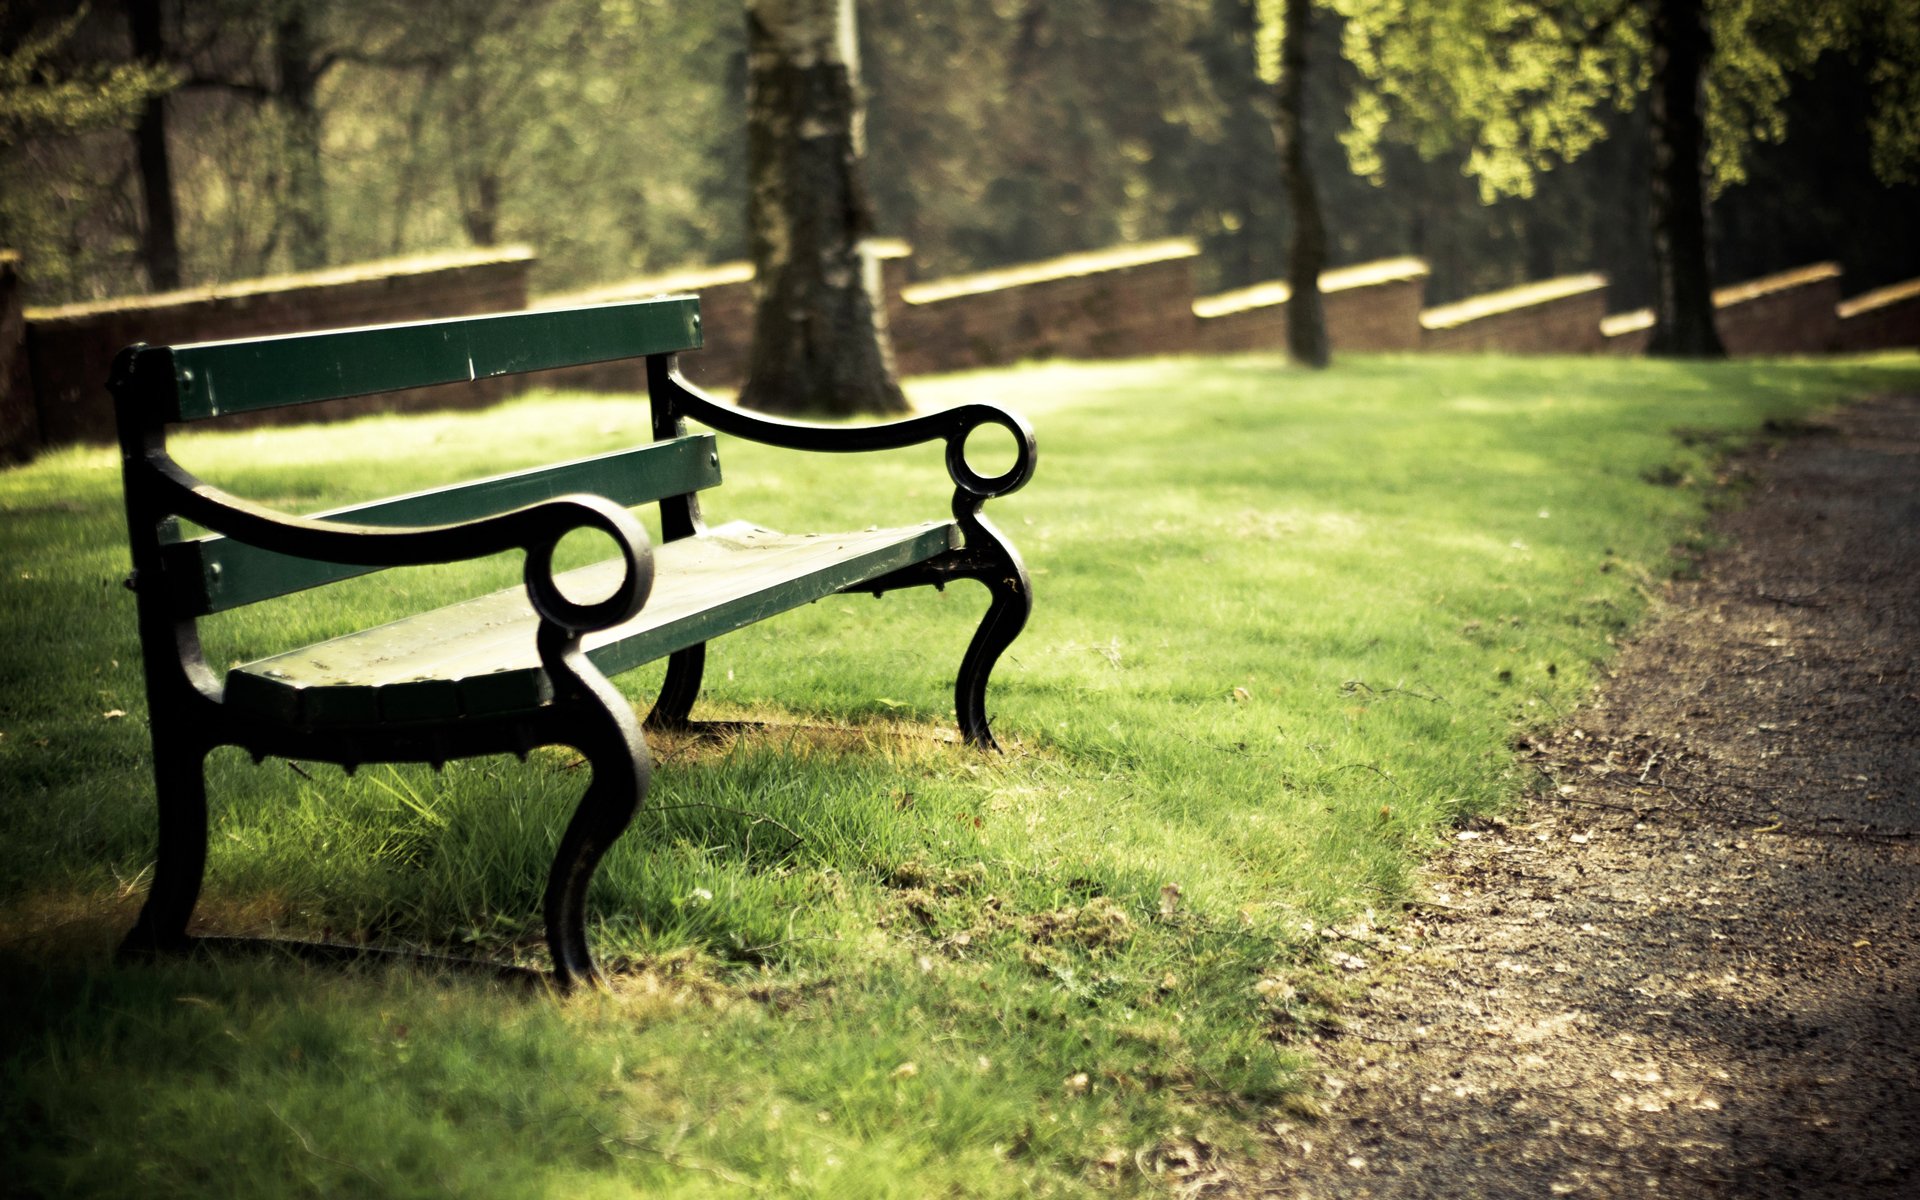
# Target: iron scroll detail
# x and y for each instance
(985, 556)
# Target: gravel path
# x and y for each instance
(1690, 967)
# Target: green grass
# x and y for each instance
(1286, 628)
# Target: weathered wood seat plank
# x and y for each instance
(704, 587)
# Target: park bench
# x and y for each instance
(525, 667)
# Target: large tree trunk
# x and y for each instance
(1307, 248)
(161, 246)
(1683, 279)
(819, 336)
(299, 80)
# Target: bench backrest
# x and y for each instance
(173, 384)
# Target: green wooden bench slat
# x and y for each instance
(213, 574)
(478, 657)
(215, 378)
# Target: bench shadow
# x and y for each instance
(341, 955)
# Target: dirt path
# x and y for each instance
(1691, 969)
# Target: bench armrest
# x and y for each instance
(953, 426)
(535, 528)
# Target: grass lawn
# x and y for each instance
(1286, 627)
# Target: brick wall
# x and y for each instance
(71, 347)
(726, 320)
(1371, 306)
(1556, 316)
(1793, 312)
(1131, 300)
(1627, 333)
(1789, 313)
(19, 423)
(1127, 301)
(1885, 319)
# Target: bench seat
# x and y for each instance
(529, 665)
(478, 657)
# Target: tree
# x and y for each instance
(819, 343)
(162, 241)
(1307, 243)
(1524, 86)
(39, 99)
(299, 66)
(1682, 47)
(54, 95)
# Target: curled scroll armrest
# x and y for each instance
(536, 529)
(952, 425)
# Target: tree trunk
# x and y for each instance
(1307, 247)
(1683, 279)
(299, 80)
(161, 247)
(480, 210)
(819, 333)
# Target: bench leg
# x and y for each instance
(617, 751)
(181, 793)
(1006, 580)
(679, 689)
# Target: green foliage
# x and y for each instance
(1003, 133)
(507, 114)
(1525, 87)
(61, 117)
(1270, 669)
(602, 131)
(39, 99)
(1895, 75)
(609, 135)
(1518, 85)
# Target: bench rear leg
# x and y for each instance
(1012, 601)
(617, 753)
(180, 864)
(679, 689)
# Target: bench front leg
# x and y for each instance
(180, 864)
(997, 565)
(609, 735)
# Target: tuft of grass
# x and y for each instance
(1287, 625)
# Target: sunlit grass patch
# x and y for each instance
(1286, 627)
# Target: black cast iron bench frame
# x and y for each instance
(562, 695)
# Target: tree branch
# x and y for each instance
(257, 92)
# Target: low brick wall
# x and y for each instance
(72, 347)
(1626, 334)
(1887, 318)
(1793, 312)
(19, 422)
(1124, 302)
(1556, 316)
(1369, 306)
(726, 320)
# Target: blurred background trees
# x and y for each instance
(610, 135)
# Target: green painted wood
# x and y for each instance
(478, 657)
(215, 378)
(213, 574)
